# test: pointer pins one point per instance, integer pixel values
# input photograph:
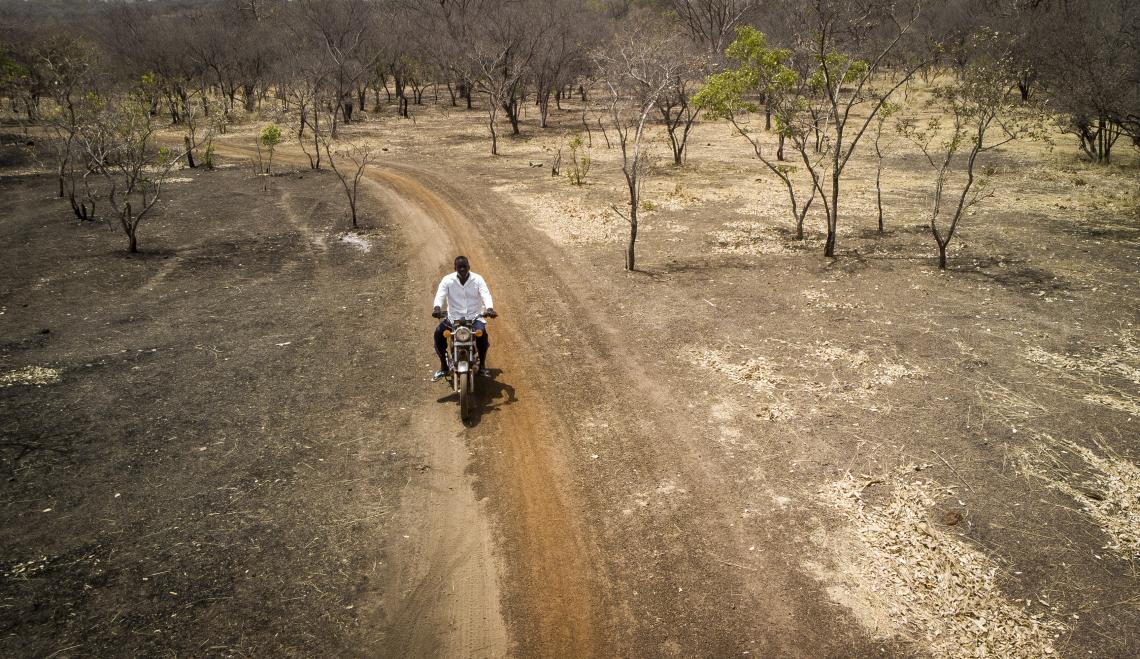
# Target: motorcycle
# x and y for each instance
(463, 362)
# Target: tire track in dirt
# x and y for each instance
(549, 600)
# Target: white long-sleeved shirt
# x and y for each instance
(467, 301)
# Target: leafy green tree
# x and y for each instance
(764, 72)
(269, 137)
(579, 161)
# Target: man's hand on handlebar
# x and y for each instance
(437, 313)
(490, 313)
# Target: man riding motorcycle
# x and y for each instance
(467, 298)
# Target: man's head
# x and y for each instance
(462, 266)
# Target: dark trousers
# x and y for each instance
(481, 343)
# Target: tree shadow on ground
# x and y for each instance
(1016, 275)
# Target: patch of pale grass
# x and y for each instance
(1121, 360)
(754, 239)
(1108, 489)
(1118, 361)
(179, 179)
(756, 373)
(904, 576)
(818, 299)
(30, 375)
(1126, 404)
(567, 221)
(356, 241)
(888, 373)
(826, 351)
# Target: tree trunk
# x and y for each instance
(512, 109)
(879, 192)
(494, 135)
(248, 97)
(543, 108)
(131, 228)
(189, 152)
(630, 255)
(832, 217)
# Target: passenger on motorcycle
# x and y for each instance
(467, 297)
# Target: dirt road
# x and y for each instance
(567, 507)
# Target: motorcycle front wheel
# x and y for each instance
(464, 396)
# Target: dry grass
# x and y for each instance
(1096, 373)
(756, 373)
(754, 239)
(30, 375)
(1106, 486)
(854, 377)
(1121, 360)
(567, 220)
(905, 576)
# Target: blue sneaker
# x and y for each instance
(439, 375)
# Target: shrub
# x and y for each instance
(579, 161)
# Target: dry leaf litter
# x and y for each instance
(753, 238)
(929, 585)
(757, 373)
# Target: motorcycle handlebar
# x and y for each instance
(442, 315)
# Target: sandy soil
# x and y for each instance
(742, 448)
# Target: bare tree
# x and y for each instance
(635, 78)
(342, 30)
(358, 157)
(119, 141)
(887, 112)
(676, 105)
(979, 101)
(67, 69)
(713, 23)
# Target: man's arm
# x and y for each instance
(440, 294)
(485, 293)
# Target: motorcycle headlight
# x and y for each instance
(463, 334)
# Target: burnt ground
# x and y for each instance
(648, 473)
(200, 478)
